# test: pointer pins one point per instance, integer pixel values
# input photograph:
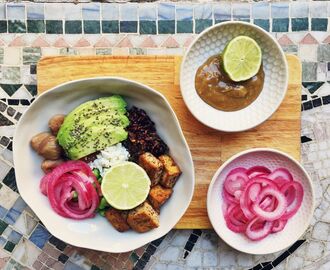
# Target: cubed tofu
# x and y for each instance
(143, 218)
(152, 166)
(171, 171)
(158, 195)
(118, 219)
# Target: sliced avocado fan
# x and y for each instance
(93, 126)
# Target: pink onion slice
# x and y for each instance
(257, 170)
(280, 208)
(60, 184)
(234, 220)
(236, 180)
(258, 232)
(281, 176)
(293, 205)
(278, 225)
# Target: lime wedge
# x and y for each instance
(242, 58)
(125, 186)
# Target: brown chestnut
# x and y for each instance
(55, 123)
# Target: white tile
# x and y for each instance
(26, 252)
(12, 56)
(7, 197)
(54, 11)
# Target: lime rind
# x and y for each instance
(125, 186)
(242, 58)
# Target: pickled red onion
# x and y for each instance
(258, 201)
(67, 178)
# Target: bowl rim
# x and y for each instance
(283, 57)
(248, 151)
(124, 80)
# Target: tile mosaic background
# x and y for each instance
(29, 31)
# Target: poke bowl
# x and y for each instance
(73, 171)
(260, 201)
(218, 97)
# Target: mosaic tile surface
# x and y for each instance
(29, 31)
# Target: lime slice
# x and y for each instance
(125, 186)
(242, 58)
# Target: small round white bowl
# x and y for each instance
(97, 233)
(212, 41)
(295, 227)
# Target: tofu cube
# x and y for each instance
(118, 219)
(143, 218)
(152, 166)
(158, 195)
(171, 171)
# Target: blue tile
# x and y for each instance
(3, 211)
(222, 12)
(299, 9)
(128, 12)
(35, 11)
(2, 241)
(40, 236)
(184, 12)
(299, 24)
(280, 10)
(128, 26)
(203, 11)
(72, 12)
(166, 26)
(110, 12)
(260, 10)
(19, 205)
(72, 266)
(241, 11)
(147, 12)
(263, 23)
(14, 237)
(148, 27)
(11, 216)
(318, 9)
(280, 25)
(185, 26)
(166, 11)
(110, 26)
(3, 11)
(91, 11)
(92, 27)
(201, 25)
(16, 11)
(319, 24)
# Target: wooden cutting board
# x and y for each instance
(209, 148)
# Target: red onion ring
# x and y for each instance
(60, 184)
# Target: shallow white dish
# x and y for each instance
(97, 233)
(295, 227)
(212, 41)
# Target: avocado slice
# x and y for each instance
(93, 126)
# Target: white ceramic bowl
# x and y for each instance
(97, 233)
(211, 42)
(295, 227)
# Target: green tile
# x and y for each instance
(202, 24)
(128, 26)
(166, 26)
(3, 26)
(319, 24)
(293, 49)
(16, 27)
(220, 21)
(54, 27)
(3, 226)
(36, 26)
(92, 27)
(133, 257)
(148, 27)
(1, 62)
(262, 23)
(184, 27)
(103, 51)
(73, 27)
(299, 24)
(32, 89)
(323, 53)
(31, 55)
(280, 25)
(110, 26)
(309, 71)
(9, 246)
(137, 51)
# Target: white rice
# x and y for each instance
(108, 157)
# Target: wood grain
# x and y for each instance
(209, 148)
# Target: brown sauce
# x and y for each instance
(215, 87)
